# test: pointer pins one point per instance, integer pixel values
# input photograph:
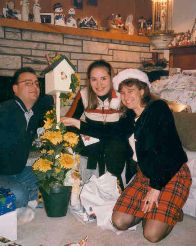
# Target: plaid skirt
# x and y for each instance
(171, 199)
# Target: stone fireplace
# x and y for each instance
(27, 44)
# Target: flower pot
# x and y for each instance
(56, 201)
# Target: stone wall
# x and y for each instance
(19, 47)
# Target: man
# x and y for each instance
(19, 119)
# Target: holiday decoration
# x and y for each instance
(25, 10)
(61, 80)
(59, 16)
(36, 12)
(71, 21)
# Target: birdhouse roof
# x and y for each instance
(56, 61)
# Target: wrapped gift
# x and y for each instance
(8, 228)
(7, 201)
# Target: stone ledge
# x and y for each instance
(72, 31)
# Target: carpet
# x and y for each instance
(45, 231)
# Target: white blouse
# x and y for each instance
(132, 144)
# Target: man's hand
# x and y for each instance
(149, 200)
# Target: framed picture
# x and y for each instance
(47, 18)
(92, 2)
(78, 4)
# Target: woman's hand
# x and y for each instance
(67, 121)
(149, 200)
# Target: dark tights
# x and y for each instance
(153, 230)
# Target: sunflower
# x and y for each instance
(50, 152)
(57, 153)
(55, 137)
(66, 161)
(71, 139)
(77, 158)
(48, 123)
(42, 165)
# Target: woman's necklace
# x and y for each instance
(104, 114)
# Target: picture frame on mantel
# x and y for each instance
(92, 2)
(78, 4)
(47, 18)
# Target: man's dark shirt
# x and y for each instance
(16, 136)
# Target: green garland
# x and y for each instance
(74, 85)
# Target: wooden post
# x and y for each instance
(58, 106)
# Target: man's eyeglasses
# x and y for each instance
(30, 83)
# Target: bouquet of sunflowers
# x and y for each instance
(58, 154)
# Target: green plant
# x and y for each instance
(58, 157)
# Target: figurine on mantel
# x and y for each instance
(25, 10)
(141, 26)
(36, 11)
(163, 19)
(59, 17)
(129, 25)
(10, 11)
(115, 21)
(118, 21)
(149, 26)
(71, 21)
(88, 22)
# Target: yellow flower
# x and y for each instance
(48, 123)
(57, 170)
(66, 161)
(42, 165)
(50, 152)
(75, 174)
(43, 151)
(49, 112)
(77, 158)
(55, 137)
(56, 145)
(77, 76)
(71, 95)
(71, 139)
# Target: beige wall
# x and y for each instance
(184, 15)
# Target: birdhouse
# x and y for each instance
(58, 75)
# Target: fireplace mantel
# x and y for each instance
(27, 44)
(72, 31)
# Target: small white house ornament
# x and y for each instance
(58, 75)
(60, 80)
